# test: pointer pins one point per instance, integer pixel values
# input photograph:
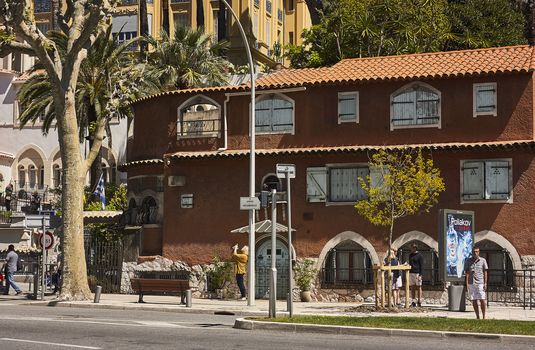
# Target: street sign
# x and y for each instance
(283, 169)
(248, 203)
(47, 239)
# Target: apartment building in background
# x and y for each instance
(270, 24)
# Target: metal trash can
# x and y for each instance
(456, 298)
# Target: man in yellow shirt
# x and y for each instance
(241, 267)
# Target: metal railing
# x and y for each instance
(198, 127)
(346, 277)
(511, 287)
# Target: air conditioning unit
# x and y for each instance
(175, 181)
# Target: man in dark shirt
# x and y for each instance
(415, 274)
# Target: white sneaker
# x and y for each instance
(244, 298)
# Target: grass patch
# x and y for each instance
(419, 323)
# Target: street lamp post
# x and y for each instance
(252, 239)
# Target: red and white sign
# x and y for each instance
(47, 239)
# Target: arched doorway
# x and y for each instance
(430, 274)
(348, 264)
(500, 274)
(263, 267)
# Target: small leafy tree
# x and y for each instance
(304, 274)
(402, 183)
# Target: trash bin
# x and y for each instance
(456, 298)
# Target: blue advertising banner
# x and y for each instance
(456, 242)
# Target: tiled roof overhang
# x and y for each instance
(496, 60)
(506, 145)
(125, 166)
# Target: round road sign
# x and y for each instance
(48, 239)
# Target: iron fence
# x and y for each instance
(104, 260)
(513, 287)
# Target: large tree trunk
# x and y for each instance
(75, 286)
(144, 28)
(165, 16)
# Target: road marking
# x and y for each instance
(53, 344)
(134, 323)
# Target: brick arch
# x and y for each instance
(415, 236)
(348, 236)
(502, 242)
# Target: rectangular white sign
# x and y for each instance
(248, 203)
(283, 169)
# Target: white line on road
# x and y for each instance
(53, 344)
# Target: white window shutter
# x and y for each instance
(347, 107)
(485, 98)
(376, 177)
(362, 174)
(317, 184)
(497, 179)
(473, 184)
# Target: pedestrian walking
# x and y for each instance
(476, 281)
(12, 262)
(2, 186)
(415, 275)
(240, 259)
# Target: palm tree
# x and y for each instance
(109, 79)
(189, 59)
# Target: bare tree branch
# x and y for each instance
(9, 46)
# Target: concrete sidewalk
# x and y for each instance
(240, 308)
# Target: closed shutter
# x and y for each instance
(485, 98)
(497, 179)
(263, 114)
(404, 108)
(282, 115)
(473, 185)
(316, 184)
(347, 107)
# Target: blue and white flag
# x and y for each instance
(100, 192)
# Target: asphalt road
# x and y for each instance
(35, 327)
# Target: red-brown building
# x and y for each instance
(472, 111)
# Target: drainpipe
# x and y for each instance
(225, 136)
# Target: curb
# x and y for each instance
(242, 323)
(144, 307)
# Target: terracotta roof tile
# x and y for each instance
(123, 167)
(529, 144)
(509, 59)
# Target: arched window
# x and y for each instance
(271, 182)
(417, 104)
(148, 212)
(22, 177)
(199, 117)
(347, 264)
(274, 114)
(500, 274)
(57, 175)
(430, 274)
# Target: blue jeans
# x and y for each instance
(241, 285)
(10, 281)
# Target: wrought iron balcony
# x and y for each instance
(280, 15)
(268, 6)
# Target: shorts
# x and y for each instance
(477, 292)
(397, 284)
(415, 279)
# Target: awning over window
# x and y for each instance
(262, 227)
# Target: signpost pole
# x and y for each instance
(43, 259)
(290, 270)
(273, 280)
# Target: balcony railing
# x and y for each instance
(257, 3)
(268, 6)
(179, 1)
(204, 127)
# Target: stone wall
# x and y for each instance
(528, 262)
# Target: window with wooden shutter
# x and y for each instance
(497, 180)
(417, 104)
(473, 180)
(274, 114)
(485, 99)
(348, 103)
(486, 180)
(317, 184)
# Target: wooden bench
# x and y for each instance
(169, 285)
